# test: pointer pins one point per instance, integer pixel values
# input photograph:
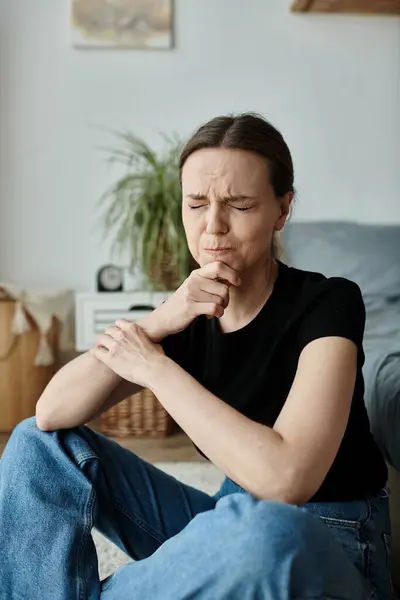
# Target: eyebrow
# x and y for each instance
(233, 197)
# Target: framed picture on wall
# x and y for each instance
(348, 6)
(122, 23)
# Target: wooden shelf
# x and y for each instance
(388, 7)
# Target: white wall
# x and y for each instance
(331, 83)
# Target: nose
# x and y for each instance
(216, 221)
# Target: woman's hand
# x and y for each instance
(127, 350)
(204, 292)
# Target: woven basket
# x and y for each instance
(139, 415)
(142, 414)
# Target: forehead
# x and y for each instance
(239, 170)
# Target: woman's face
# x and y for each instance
(229, 209)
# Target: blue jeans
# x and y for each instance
(55, 486)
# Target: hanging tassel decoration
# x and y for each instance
(44, 356)
(20, 322)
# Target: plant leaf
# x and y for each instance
(142, 209)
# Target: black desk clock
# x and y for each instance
(110, 279)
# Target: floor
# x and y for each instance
(175, 448)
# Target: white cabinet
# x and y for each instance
(94, 312)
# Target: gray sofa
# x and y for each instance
(370, 256)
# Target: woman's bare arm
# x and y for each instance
(84, 388)
(79, 392)
(288, 462)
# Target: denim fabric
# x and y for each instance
(56, 486)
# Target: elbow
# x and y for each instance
(41, 423)
(52, 421)
(290, 488)
(297, 496)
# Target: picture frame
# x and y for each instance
(129, 24)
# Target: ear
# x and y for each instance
(285, 204)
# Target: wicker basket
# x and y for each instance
(139, 415)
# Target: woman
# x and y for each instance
(260, 364)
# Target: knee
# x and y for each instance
(286, 530)
(26, 426)
(24, 445)
(264, 535)
(24, 431)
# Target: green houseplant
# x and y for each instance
(142, 211)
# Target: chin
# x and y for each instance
(205, 259)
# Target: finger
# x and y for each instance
(210, 309)
(214, 289)
(115, 332)
(202, 297)
(218, 270)
(124, 324)
(140, 338)
(99, 353)
(133, 334)
(105, 340)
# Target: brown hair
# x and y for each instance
(251, 132)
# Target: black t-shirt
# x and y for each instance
(252, 369)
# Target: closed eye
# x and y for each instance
(193, 207)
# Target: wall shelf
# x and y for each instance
(388, 7)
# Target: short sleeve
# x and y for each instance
(338, 310)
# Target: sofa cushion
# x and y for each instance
(366, 254)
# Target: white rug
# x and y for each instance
(203, 476)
